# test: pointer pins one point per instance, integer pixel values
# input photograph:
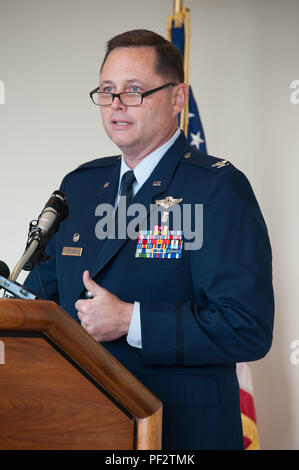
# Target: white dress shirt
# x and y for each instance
(142, 172)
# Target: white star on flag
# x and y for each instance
(196, 140)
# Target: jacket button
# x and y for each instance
(187, 155)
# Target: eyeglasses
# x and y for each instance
(102, 98)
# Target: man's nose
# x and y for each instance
(117, 104)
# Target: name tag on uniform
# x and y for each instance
(71, 251)
(160, 243)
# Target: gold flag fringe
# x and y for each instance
(178, 19)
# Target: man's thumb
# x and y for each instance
(89, 284)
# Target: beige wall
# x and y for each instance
(244, 56)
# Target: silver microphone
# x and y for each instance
(55, 207)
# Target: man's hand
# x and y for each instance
(105, 317)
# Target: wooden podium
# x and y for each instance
(60, 389)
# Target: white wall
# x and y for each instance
(243, 60)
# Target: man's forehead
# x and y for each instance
(129, 64)
(150, 50)
(144, 55)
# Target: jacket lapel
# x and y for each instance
(106, 193)
(155, 185)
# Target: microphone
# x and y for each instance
(4, 269)
(41, 231)
(53, 213)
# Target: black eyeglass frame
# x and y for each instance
(118, 95)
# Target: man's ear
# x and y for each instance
(180, 95)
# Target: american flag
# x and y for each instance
(196, 136)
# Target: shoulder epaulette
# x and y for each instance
(96, 163)
(206, 161)
(100, 162)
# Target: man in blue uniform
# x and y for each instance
(178, 314)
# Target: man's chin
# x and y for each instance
(122, 139)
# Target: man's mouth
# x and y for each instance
(120, 124)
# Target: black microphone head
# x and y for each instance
(4, 270)
(59, 203)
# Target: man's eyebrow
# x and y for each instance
(130, 80)
(133, 80)
(106, 82)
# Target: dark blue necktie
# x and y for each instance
(127, 185)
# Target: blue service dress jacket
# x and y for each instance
(200, 313)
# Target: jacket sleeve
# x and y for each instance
(231, 319)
